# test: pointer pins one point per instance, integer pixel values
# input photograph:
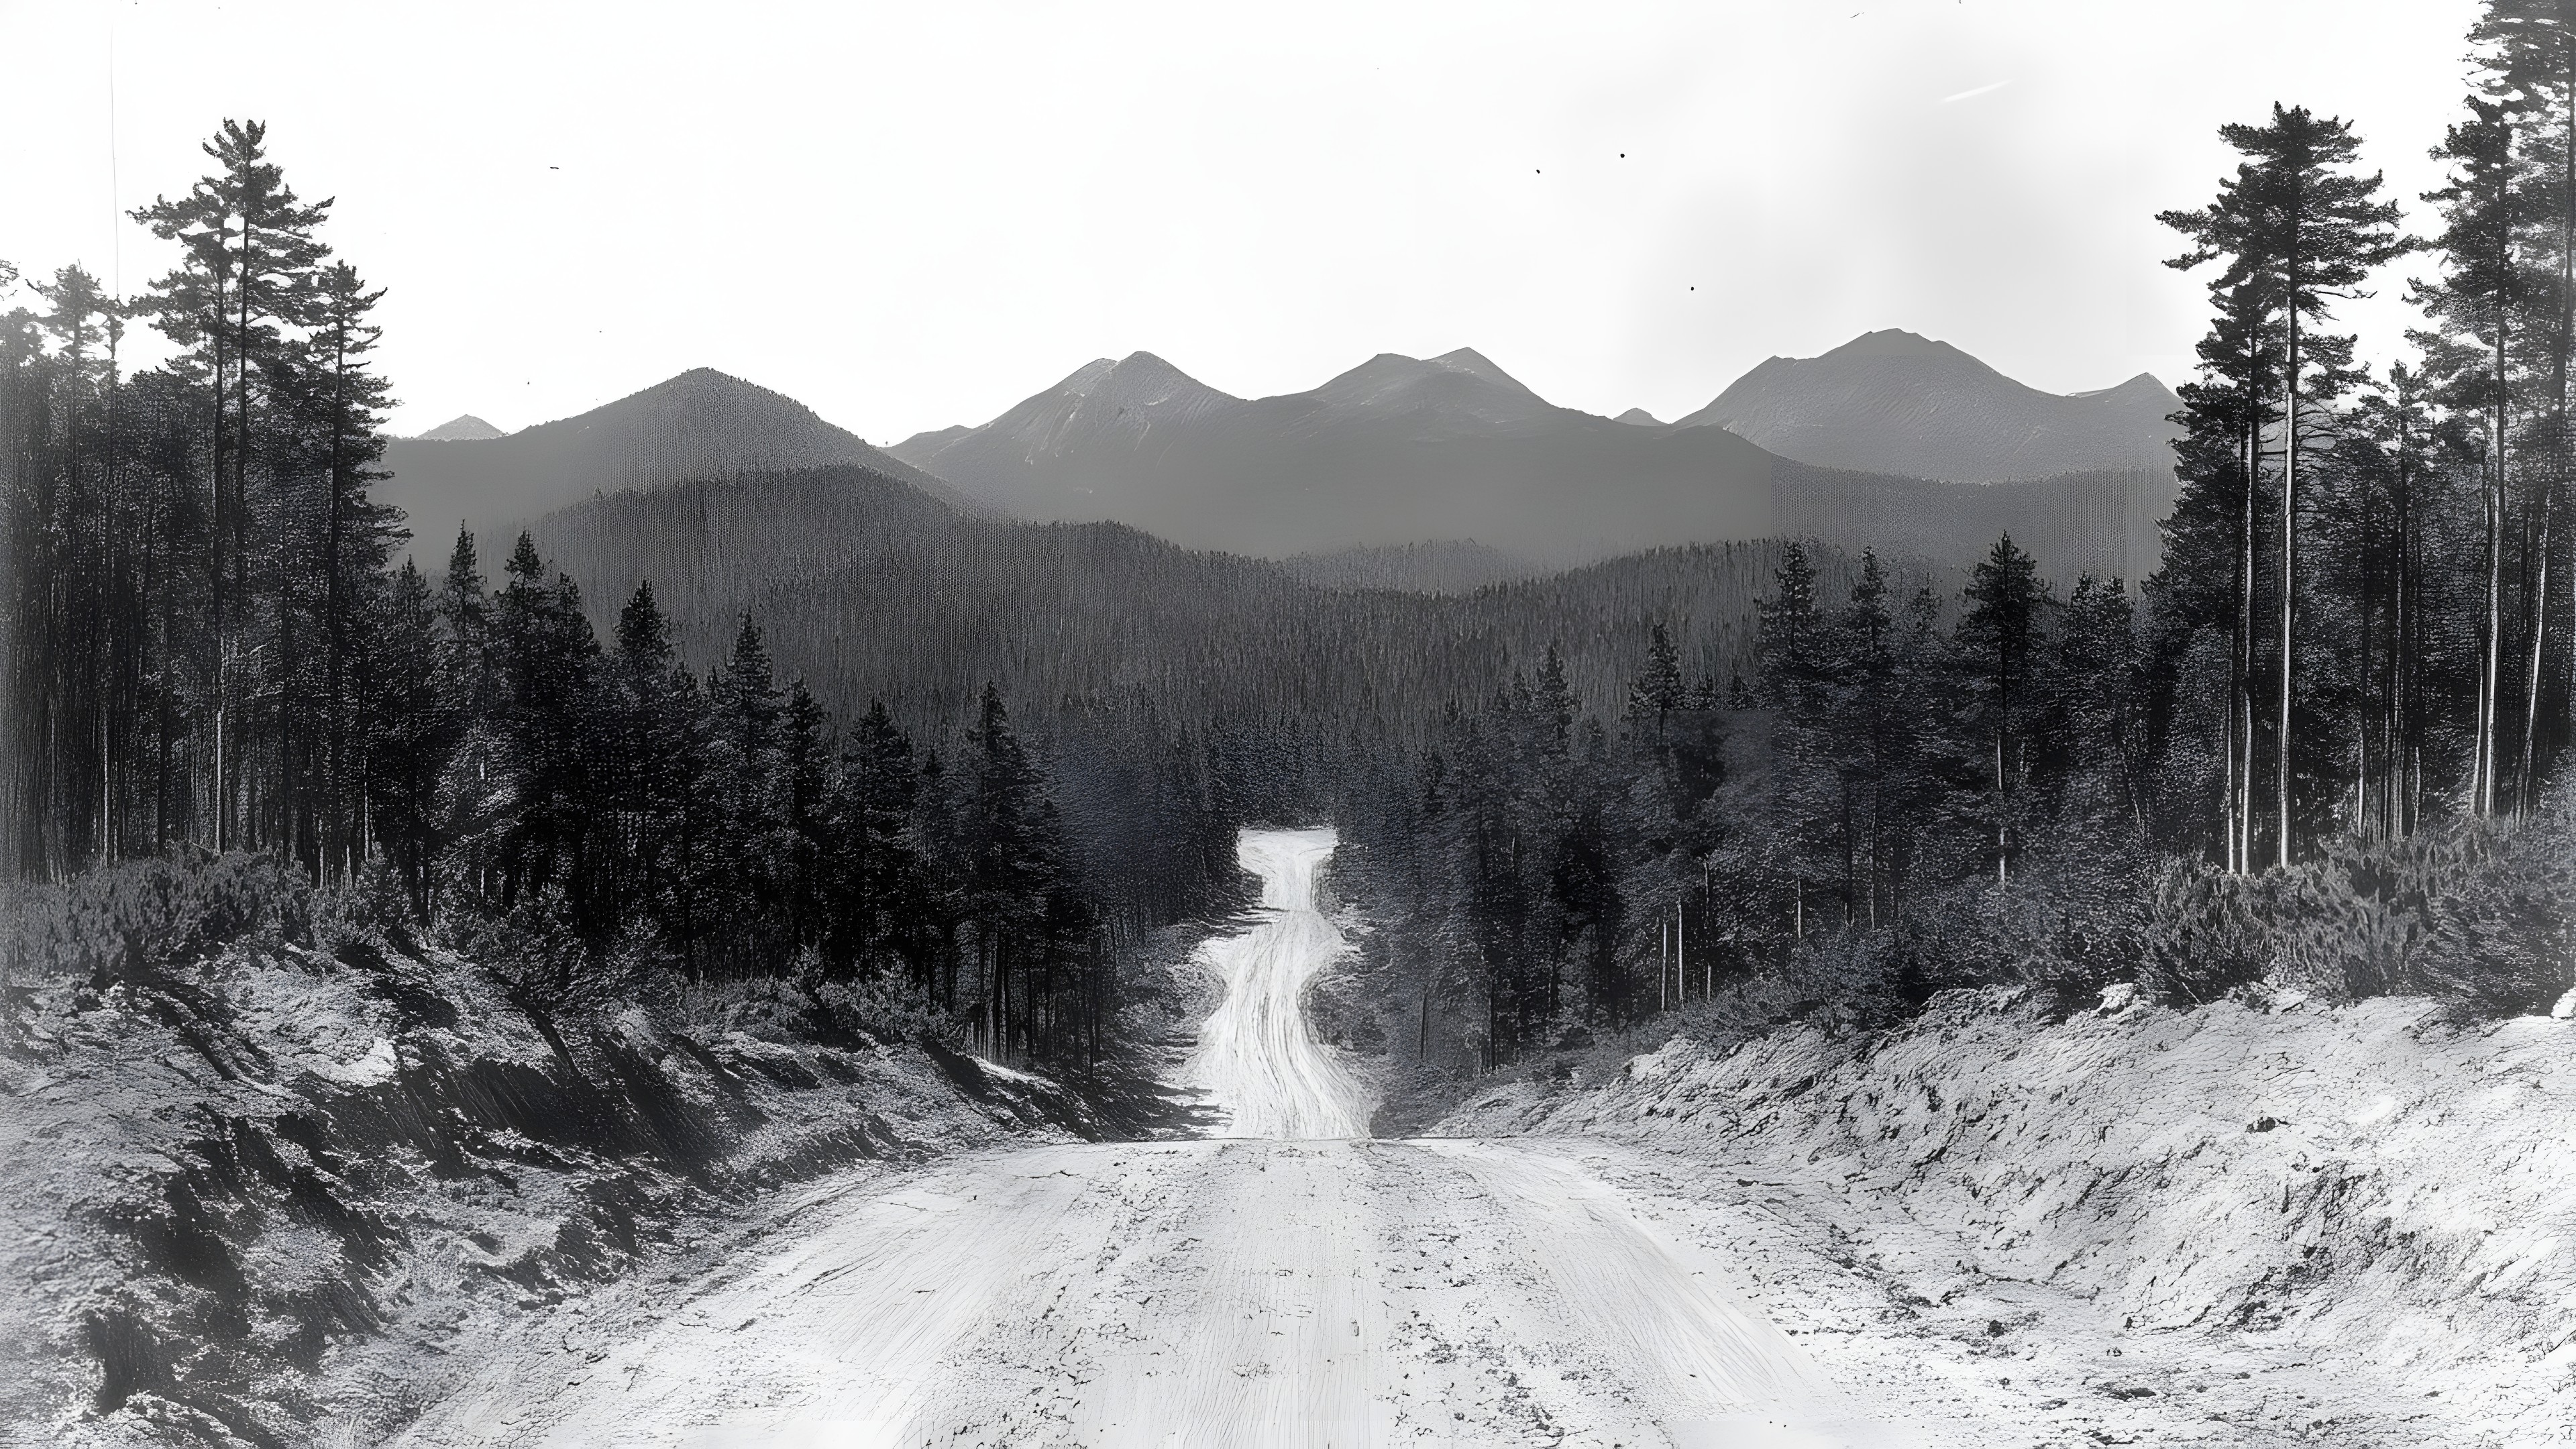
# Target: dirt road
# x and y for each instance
(1291, 1283)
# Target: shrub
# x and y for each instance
(2209, 933)
(2474, 913)
(2071, 922)
(536, 952)
(889, 1007)
(133, 920)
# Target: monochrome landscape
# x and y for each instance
(1897, 907)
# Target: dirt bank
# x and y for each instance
(262, 1198)
(2370, 1195)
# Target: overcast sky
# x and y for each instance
(914, 215)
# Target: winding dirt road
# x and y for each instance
(1289, 1283)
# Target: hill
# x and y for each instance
(1396, 451)
(2073, 523)
(1896, 403)
(700, 424)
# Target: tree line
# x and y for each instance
(213, 649)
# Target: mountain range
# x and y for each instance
(700, 424)
(1892, 440)
(1427, 475)
(1396, 451)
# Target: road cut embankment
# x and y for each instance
(2374, 1193)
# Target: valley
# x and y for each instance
(1896, 909)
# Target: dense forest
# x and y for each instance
(822, 725)
(212, 650)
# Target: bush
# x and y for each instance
(2209, 933)
(889, 1007)
(134, 920)
(535, 951)
(2472, 913)
(877, 1007)
(2069, 923)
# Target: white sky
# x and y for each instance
(914, 215)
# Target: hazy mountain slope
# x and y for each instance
(700, 424)
(1896, 403)
(2073, 524)
(1395, 451)
(870, 589)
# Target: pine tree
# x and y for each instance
(545, 657)
(248, 256)
(749, 846)
(408, 730)
(2475, 303)
(1997, 638)
(2299, 229)
(878, 893)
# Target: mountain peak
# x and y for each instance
(1640, 417)
(1894, 342)
(2145, 385)
(1475, 364)
(1084, 379)
(462, 428)
(701, 424)
(1897, 402)
(1139, 377)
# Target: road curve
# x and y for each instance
(1291, 1284)
(1255, 1058)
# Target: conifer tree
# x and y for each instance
(2298, 229)
(1997, 638)
(2471, 357)
(248, 255)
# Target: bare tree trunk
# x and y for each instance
(2289, 551)
(2484, 782)
(2528, 795)
(2240, 693)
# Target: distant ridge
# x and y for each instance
(464, 427)
(1899, 403)
(1396, 451)
(700, 424)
